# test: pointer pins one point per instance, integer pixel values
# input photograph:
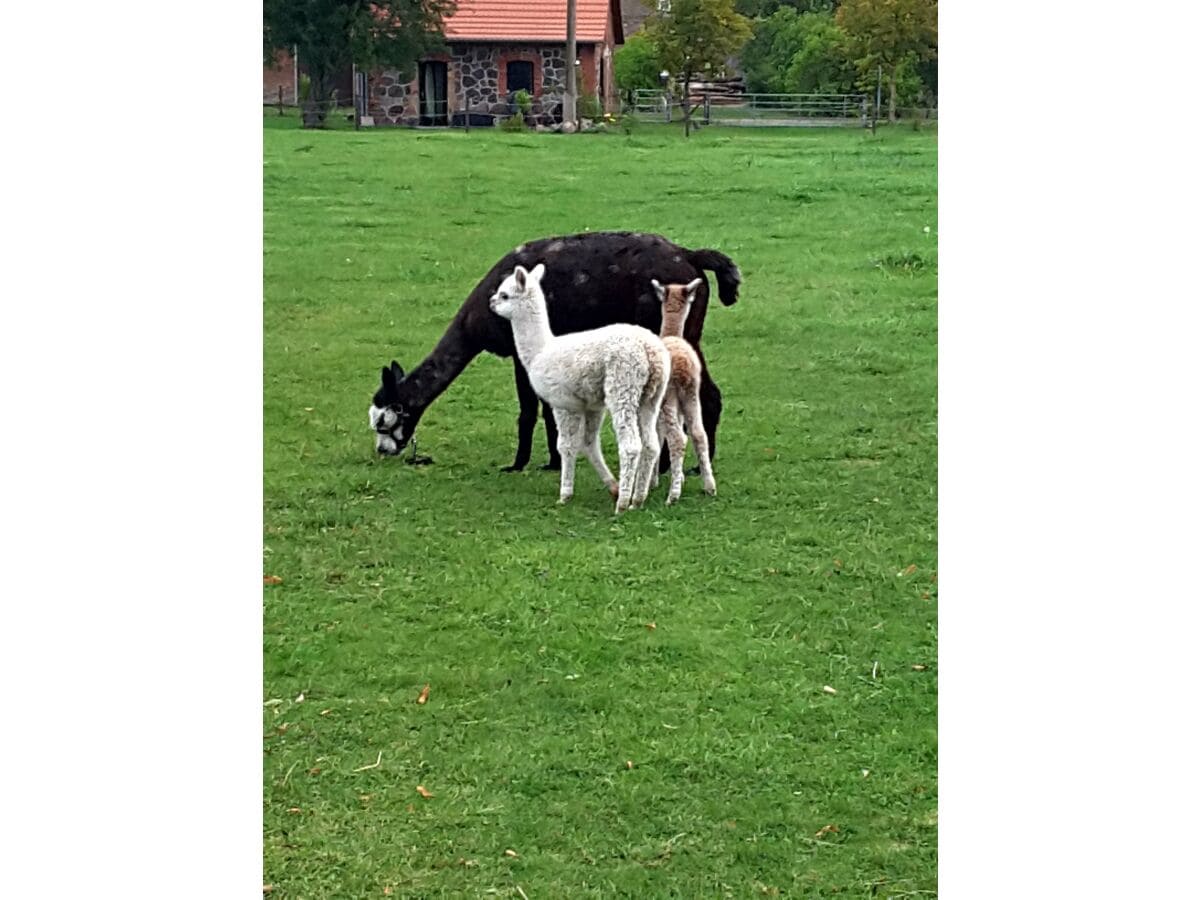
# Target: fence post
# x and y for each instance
(707, 107)
(281, 100)
(878, 97)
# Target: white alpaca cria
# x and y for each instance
(682, 400)
(622, 367)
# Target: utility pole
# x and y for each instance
(569, 95)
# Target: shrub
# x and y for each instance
(514, 123)
(636, 64)
(588, 107)
(524, 102)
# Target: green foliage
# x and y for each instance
(927, 71)
(890, 34)
(529, 620)
(330, 36)
(524, 102)
(636, 64)
(798, 53)
(697, 36)
(761, 9)
(909, 89)
(821, 63)
(305, 88)
(885, 32)
(515, 122)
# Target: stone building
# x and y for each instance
(495, 48)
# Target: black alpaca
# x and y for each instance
(592, 279)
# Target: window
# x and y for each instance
(519, 76)
(664, 6)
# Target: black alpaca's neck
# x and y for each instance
(444, 363)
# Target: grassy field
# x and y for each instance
(732, 697)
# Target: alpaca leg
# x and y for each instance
(710, 406)
(695, 421)
(527, 418)
(591, 449)
(570, 436)
(629, 448)
(676, 444)
(648, 458)
(650, 406)
(551, 437)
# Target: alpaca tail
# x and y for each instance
(729, 277)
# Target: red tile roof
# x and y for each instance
(530, 20)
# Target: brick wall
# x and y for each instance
(280, 75)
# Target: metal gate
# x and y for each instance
(797, 110)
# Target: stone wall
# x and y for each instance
(478, 75)
(474, 70)
(392, 101)
(477, 67)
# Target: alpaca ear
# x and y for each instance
(659, 291)
(692, 287)
(538, 271)
(397, 372)
(520, 275)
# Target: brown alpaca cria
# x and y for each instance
(682, 400)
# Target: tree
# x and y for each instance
(798, 53)
(330, 36)
(762, 9)
(636, 64)
(697, 36)
(889, 33)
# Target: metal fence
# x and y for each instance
(757, 109)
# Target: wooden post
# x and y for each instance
(569, 95)
(878, 97)
(281, 100)
(687, 104)
(355, 97)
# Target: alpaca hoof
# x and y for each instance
(562, 501)
(711, 489)
(671, 500)
(513, 468)
(553, 466)
(614, 491)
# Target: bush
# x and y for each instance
(636, 65)
(794, 52)
(305, 87)
(588, 107)
(513, 123)
(524, 103)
